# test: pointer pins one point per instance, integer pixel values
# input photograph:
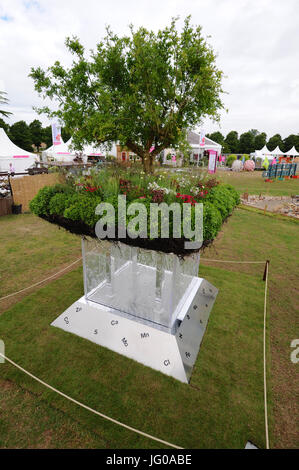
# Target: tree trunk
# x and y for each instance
(148, 163)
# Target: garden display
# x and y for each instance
(237, 165)
(142, 296)
(249, 165)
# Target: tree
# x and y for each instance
(274, 141)
(4, 125)
(47, 136)
(246, 142)
(217, 137)
(3, 100)
(260, 141)
(232, 142)
(142, 90)
(254, 132)
(65, 134)
(289, 142)
(36, 131)
(19, 133)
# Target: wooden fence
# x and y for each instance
(5, 205)
(25, 188)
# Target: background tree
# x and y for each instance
(274, 141)
(260, 141)
(65, 134)
(20, 134)
(289, 142)
(47, 136)
(36, 132)
(3, 100)
(142, 90)
(232, 142)
(4, 125)
(246, 144)
(217, 137)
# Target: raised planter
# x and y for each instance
(145, 304)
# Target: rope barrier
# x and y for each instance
(88, 408)
(265, 369)
(40, 282)
(232, 261)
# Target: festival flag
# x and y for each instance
(212, 161)
(202, 138)
(266, 163)
(56, 134)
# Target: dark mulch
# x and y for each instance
(166, 245)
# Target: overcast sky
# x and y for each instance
(257, 42)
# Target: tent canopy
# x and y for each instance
(12, 157)
(65, 151)
(265, 150)
(292, 152)
(277, 151)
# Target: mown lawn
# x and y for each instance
(31, 250)
(223, 408)
(252, 235)
(254, 183)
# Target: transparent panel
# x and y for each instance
(144, 283)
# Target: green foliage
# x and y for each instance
(275, 141)
(78, 201)
(20, 134)
(260, 141)
(230, 159)
(40, 204)
(216, 137)
(36, 132)
(3, 100)
(246, 143)
(142, 90)
(232, 142)
(223, 198)
(212, 221)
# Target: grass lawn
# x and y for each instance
(31, 249)
(223, 406)
(254, 183)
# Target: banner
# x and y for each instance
(202, 138)
(212, 161)
(56, 134)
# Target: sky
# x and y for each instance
(256, 42)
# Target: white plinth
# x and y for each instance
(172, 351)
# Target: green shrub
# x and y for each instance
(39, 205)
(58, 203)
(82, 207)
(230, 159)
(234, 193)
(212, 221)
(223, 197)
(87, 209)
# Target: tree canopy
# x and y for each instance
(143, 90)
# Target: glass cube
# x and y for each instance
(146, 284)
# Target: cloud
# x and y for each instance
(256, 42)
